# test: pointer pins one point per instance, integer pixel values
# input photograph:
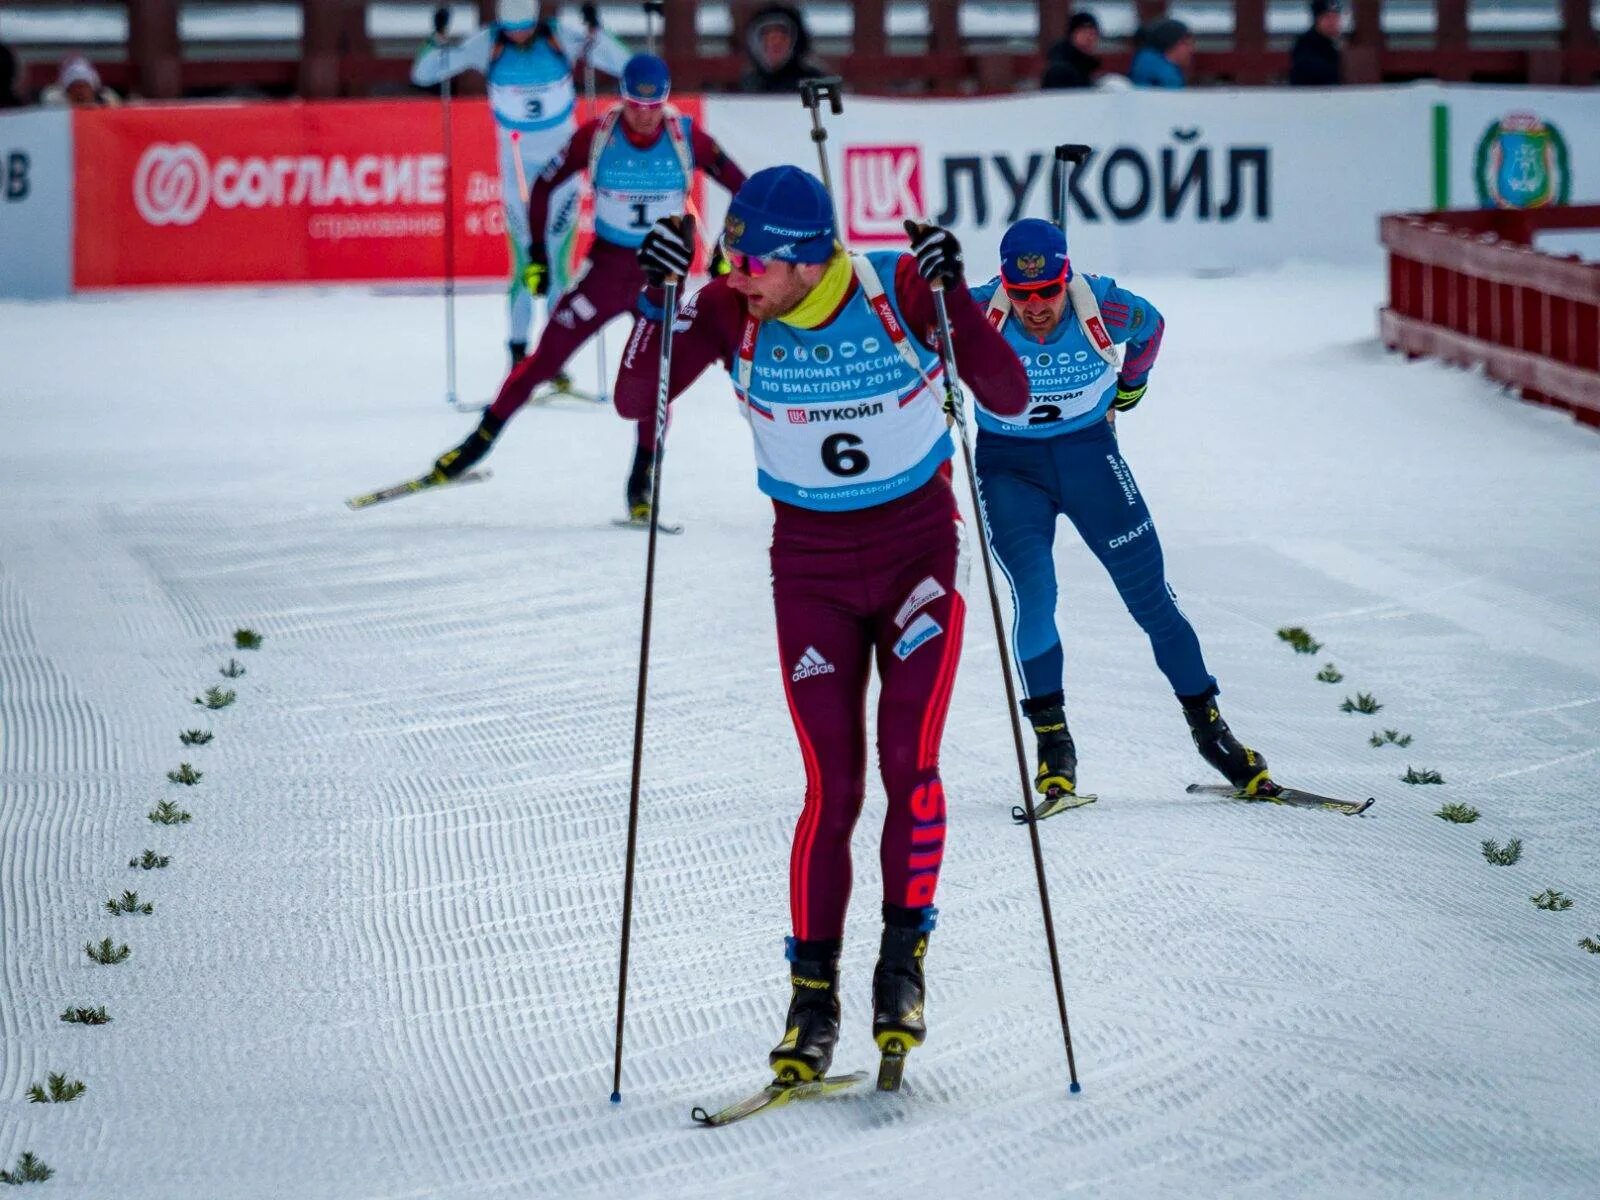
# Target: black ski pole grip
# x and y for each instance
(1072, 152)
(441, 19)
(812, 92)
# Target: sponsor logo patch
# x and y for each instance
(924, 594)
(811, 663)
(920, 632)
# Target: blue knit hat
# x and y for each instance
(782, 213)
(1034, 251)
(645, 80)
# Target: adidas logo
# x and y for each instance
(811, 663)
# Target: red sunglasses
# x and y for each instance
(748, 264)
(1023, 292)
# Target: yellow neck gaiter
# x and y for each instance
(820, 302)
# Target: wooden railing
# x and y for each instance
(1468, 287)
(336, 56)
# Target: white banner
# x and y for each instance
(1177, 181)
(1510, 147)
(36, 203)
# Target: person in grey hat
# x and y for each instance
(1165, 50)
(1316, 59)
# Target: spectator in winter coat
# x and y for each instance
(1316, 60)
(1165, 50)
(778, 45)
(1072, 62)
(79, 86)
(8, 78)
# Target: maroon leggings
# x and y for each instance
(878, 584)
(608, 288)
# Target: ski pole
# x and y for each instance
(441, 25)
(652, 10)
(592, 19)
(1068, 155)
(663, 382)
(810, 91)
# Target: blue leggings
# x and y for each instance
(1026, 483)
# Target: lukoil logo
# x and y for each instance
(882, 188)
(174, 183)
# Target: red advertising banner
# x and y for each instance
(286, 192)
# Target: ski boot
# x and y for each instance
(519, 351)
(640, 479)
(1245, 769)
(898, 990)
(1057, 777)
(811, 1030)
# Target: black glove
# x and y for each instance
(938, 253)
(536, 274)
(453, 463)
(1128, 395)
(591, 17)
(667, 249)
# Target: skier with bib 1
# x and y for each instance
(527, 62)
(641, 158)
(834, 368)
(1060, 458)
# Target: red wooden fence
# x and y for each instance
(1467, 287)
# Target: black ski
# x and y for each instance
(1056, 802)
(1274, 793)
(775, 1095)
(422, 483)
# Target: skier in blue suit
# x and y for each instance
(1060, 458)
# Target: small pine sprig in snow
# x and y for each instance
(1502, 856)
(1460, 814)
(59, 1090)
(1426, 775)
(186, 775)
(217, 697)
(105, 953)
(168, 813)
(1389, 737)
(1302, 641)
(195, 737)
(1552, 901)
(1363, 703)
(1589, 944)
(29, 1169)
(86, 1016)
(129, 903)
(246, 639)
(233, 669)
(149, 861)
(1330, 674)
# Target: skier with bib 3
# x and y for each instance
(527, 62)
(1060, 458)
(833, 363)
(641, 158)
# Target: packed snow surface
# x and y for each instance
(383, 960)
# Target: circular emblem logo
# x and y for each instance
(1065, 358)
(800, 354)
(869, 345)
(847, 349)
(1043, 360)
(172, 184)
(1081, 356)
(1522, 163)
(779, 354)
(822, 353)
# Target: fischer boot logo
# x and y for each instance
(172, 184)
(882, 189)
